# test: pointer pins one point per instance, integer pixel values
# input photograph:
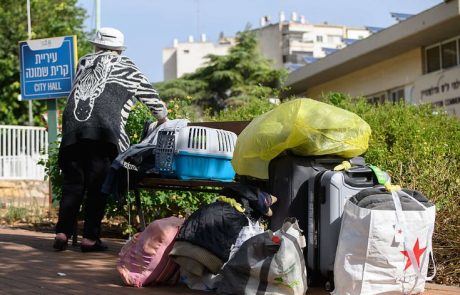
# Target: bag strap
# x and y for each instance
(401, 220)
(298, 241)
(429, 239)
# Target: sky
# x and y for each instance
(151, 25)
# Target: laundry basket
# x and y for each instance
(199, 153)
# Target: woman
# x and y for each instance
(94, 133)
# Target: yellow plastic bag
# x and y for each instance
(305, 126)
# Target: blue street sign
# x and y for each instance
(47, 67)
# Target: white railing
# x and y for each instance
(21, 147)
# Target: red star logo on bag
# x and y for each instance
(276, 240)
(417, 252)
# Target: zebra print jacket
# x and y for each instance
(102, 97)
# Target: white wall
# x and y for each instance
(270, 44)
(399, 71)
(187, 57)
(440, 87)
(169, 64)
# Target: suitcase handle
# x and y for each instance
(360, 176)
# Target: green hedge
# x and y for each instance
(418, 145)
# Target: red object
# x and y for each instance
(276, 239)
(417, 252)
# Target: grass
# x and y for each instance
(24, 213)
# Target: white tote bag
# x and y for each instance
(384, 251)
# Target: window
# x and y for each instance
(433, 59)
(449, 54)
(319, 38)
(377, 98)
(397, 95)
(443, 55)
(295, 36)
(186, 51)
(291, 58)
(394, 96)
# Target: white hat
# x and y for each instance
(109, 38)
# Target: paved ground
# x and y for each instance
(28, 265)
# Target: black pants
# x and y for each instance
(84, 167)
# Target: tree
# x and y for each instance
(233, 79)
(181, 88)
(49, 18)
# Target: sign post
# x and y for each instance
(47, 69)
(47, 72)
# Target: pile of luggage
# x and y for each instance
(221, 247)
(362, 235)
(333, 220)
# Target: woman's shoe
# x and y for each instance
(60, 244)
(96, 247)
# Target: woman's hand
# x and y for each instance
(160, 111)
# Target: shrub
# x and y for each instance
(52, 171)
(15, 214)
(177, 109)
(252, 108)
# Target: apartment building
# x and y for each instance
(188, 56)
(416, 60)
(289, 43)
(295, 42)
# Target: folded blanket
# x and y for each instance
(379, 198)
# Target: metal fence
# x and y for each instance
(21, 147)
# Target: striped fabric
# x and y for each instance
(102, 97)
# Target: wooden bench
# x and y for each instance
(158, 183)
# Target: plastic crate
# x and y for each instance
(196, 152)
(206, 141)
(205, 153)
(164, 152)
(202, 166)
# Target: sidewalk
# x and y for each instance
(28, 265)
